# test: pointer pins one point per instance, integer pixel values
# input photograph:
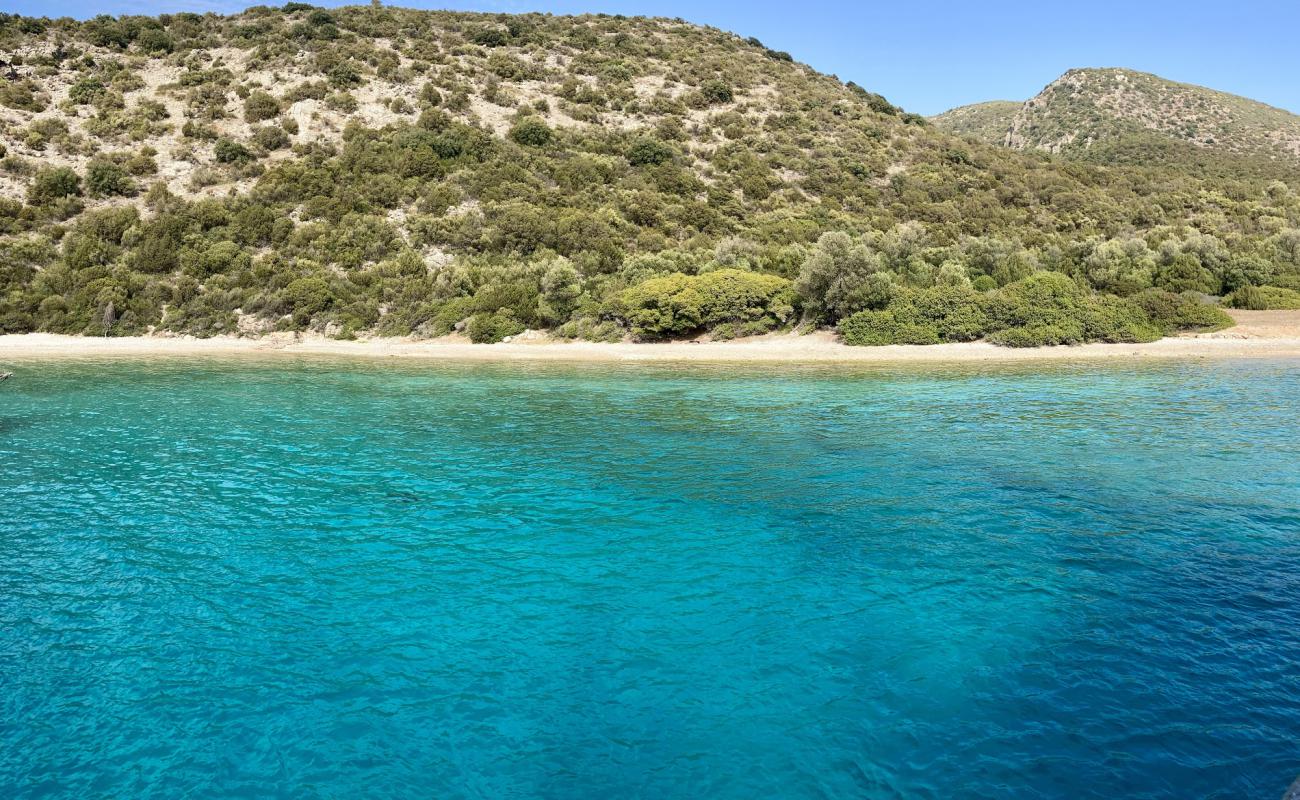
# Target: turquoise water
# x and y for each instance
(353, 579)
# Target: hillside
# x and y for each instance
(988, 122)
(1123, 116)
(385, 171)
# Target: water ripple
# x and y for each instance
(229, 579)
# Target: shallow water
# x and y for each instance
(349, 579)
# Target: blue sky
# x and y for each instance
(928, 55)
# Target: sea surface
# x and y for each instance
(325, 578)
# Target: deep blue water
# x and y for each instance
(354, 579)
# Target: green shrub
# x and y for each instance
(1043, 298)
(956, 312)
(489, 37)
(307, 90)
(680, 304)
(492, 328)
(21, 95)
(344, 75)
(308, 297)
(891, 326)
(105, 179)
(645, 150)
(260, 106)
(1044, 309)
(1063, 332)
(928, 316)
(1180, 312)
(1264, 298)
(53, 183)
(592, 330)
(341, 101)
(531, 131)
(716, 92)
(85, 90)
(228, 151)
(447, 315)
(1112, 319)
(271, 137)
(154, 41)
(430, 96)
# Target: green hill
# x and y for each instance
(378, 170)
(988, 122)
(1120, 116)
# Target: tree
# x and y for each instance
(833, 281)
(1120, 266)
(108, 317)
(561, 288)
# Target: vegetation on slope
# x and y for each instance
(1123, 117)
(988, 122)
(380, 170)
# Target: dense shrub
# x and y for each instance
(678, 304)
(1181, 312)
(716, 92)
(531, 131)
(895, 325)
(154, 41)
(308, 297)
(1112, 319)
(271, 137)
(260, 106)
(489, 37)
(1043, 309)
(21, 94)
(1062, 332)
(104, 179)
(52, 184)
(1264, 298)
(645, 150)
(228, 151)
(490, 328)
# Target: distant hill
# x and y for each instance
(1123, 116)
(989, 122)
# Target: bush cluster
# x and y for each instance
(726, 302)
(1046, 308)
(1264, 298)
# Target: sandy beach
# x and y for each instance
(1258, 334)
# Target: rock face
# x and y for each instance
(1089, 107)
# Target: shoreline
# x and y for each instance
(820, 347)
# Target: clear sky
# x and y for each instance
(928, 55)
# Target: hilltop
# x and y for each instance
(1124, 116)
(371, 170)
